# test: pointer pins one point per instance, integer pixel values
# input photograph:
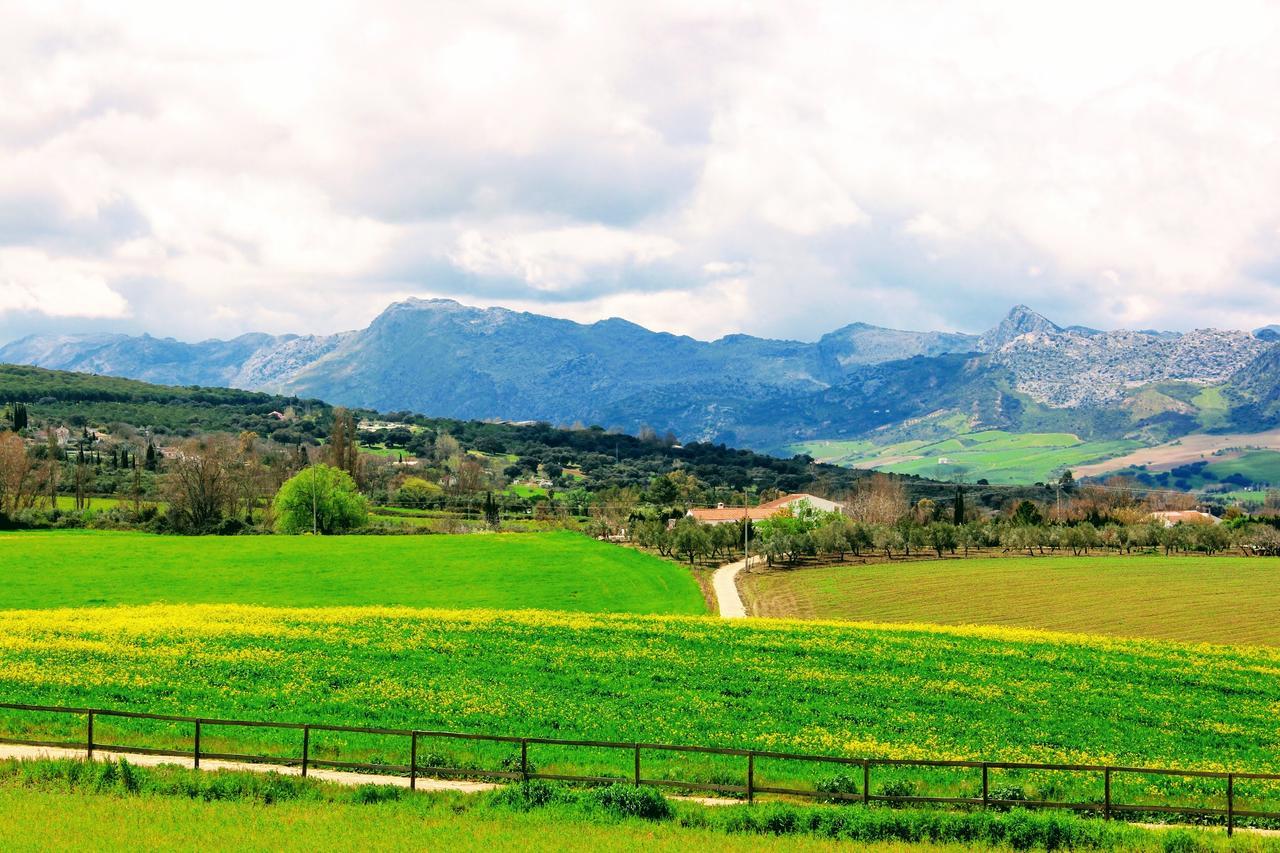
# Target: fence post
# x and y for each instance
(986, 796)
(89, 742)
(1106, 793)
(866, 781)
(524, 760)
(1231, 803)
(306, 748)
(751, 777)
(413, 761)
(197, 749)
(637, 776)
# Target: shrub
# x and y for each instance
(839, 783)
(1014, 793)
(526, 796)
(370, 794)
(898, 788)
(629, 801)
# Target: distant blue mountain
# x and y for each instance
(443, 358)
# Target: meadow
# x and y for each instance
(558, 571)
(994, 455)
(812, 687)
(1193, 599)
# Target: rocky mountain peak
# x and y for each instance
(1020, 321)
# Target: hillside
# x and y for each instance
(599, 459)
(81, 398)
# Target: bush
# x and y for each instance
(898, 788)
(630, 801)
(1013, 793)
(526, 796)
(840, 783)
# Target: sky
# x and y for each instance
(781, 169)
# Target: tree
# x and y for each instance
(957, 516)
(878, 499)
(198, 485)
(320, 499)
(53, 466)
(344, 452)
(1027, 513)
(19, 479)
(491, 515)
(941, 537)
(690, 538)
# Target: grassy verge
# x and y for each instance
(555, 571)
(118, 806)
(1230, 600)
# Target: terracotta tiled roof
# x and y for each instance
(732, 513)
(735, 513)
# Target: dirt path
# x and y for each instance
(725, 581)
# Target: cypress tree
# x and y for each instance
(959, 513)
(491, 516)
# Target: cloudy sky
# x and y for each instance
(203, 170)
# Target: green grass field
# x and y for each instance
(994, 455)
(1192, 599)
(557, 571)
(911, 691)
(58, 820)
(125, 807)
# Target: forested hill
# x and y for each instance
(80, 399)
(598, 459)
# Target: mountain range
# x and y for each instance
(860, 381)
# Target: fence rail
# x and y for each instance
(1107, 806)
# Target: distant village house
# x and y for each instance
(722, 514)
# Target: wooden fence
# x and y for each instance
(1107, 806)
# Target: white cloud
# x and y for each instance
(33, 282)
(706, 167)
(555, 259)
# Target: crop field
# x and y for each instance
(556, 571)
(1186, 450)
(1194, 599)
(997, 456)
(827, 688)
